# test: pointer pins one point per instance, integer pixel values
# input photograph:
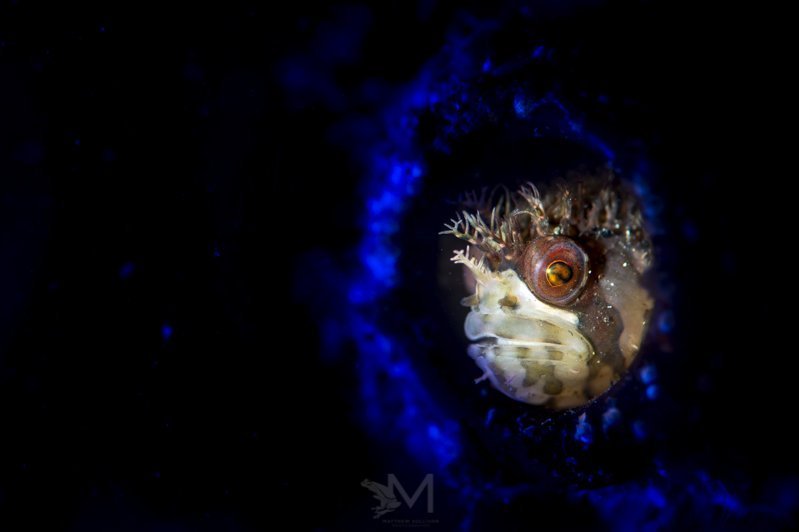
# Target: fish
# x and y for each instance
(560, 304)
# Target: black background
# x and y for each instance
(161, 183)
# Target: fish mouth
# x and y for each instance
(530, 358)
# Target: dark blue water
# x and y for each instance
(223, 305)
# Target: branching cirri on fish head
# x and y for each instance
(559, 310)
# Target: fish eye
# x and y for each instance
(556, 269)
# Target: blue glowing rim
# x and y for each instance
(394, 171)
(400, 410)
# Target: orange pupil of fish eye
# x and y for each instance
(559, 273)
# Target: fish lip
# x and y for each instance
(485, 328)
(501, 340)
(479, 347)
(535, 350)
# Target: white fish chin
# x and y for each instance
(529, 350)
